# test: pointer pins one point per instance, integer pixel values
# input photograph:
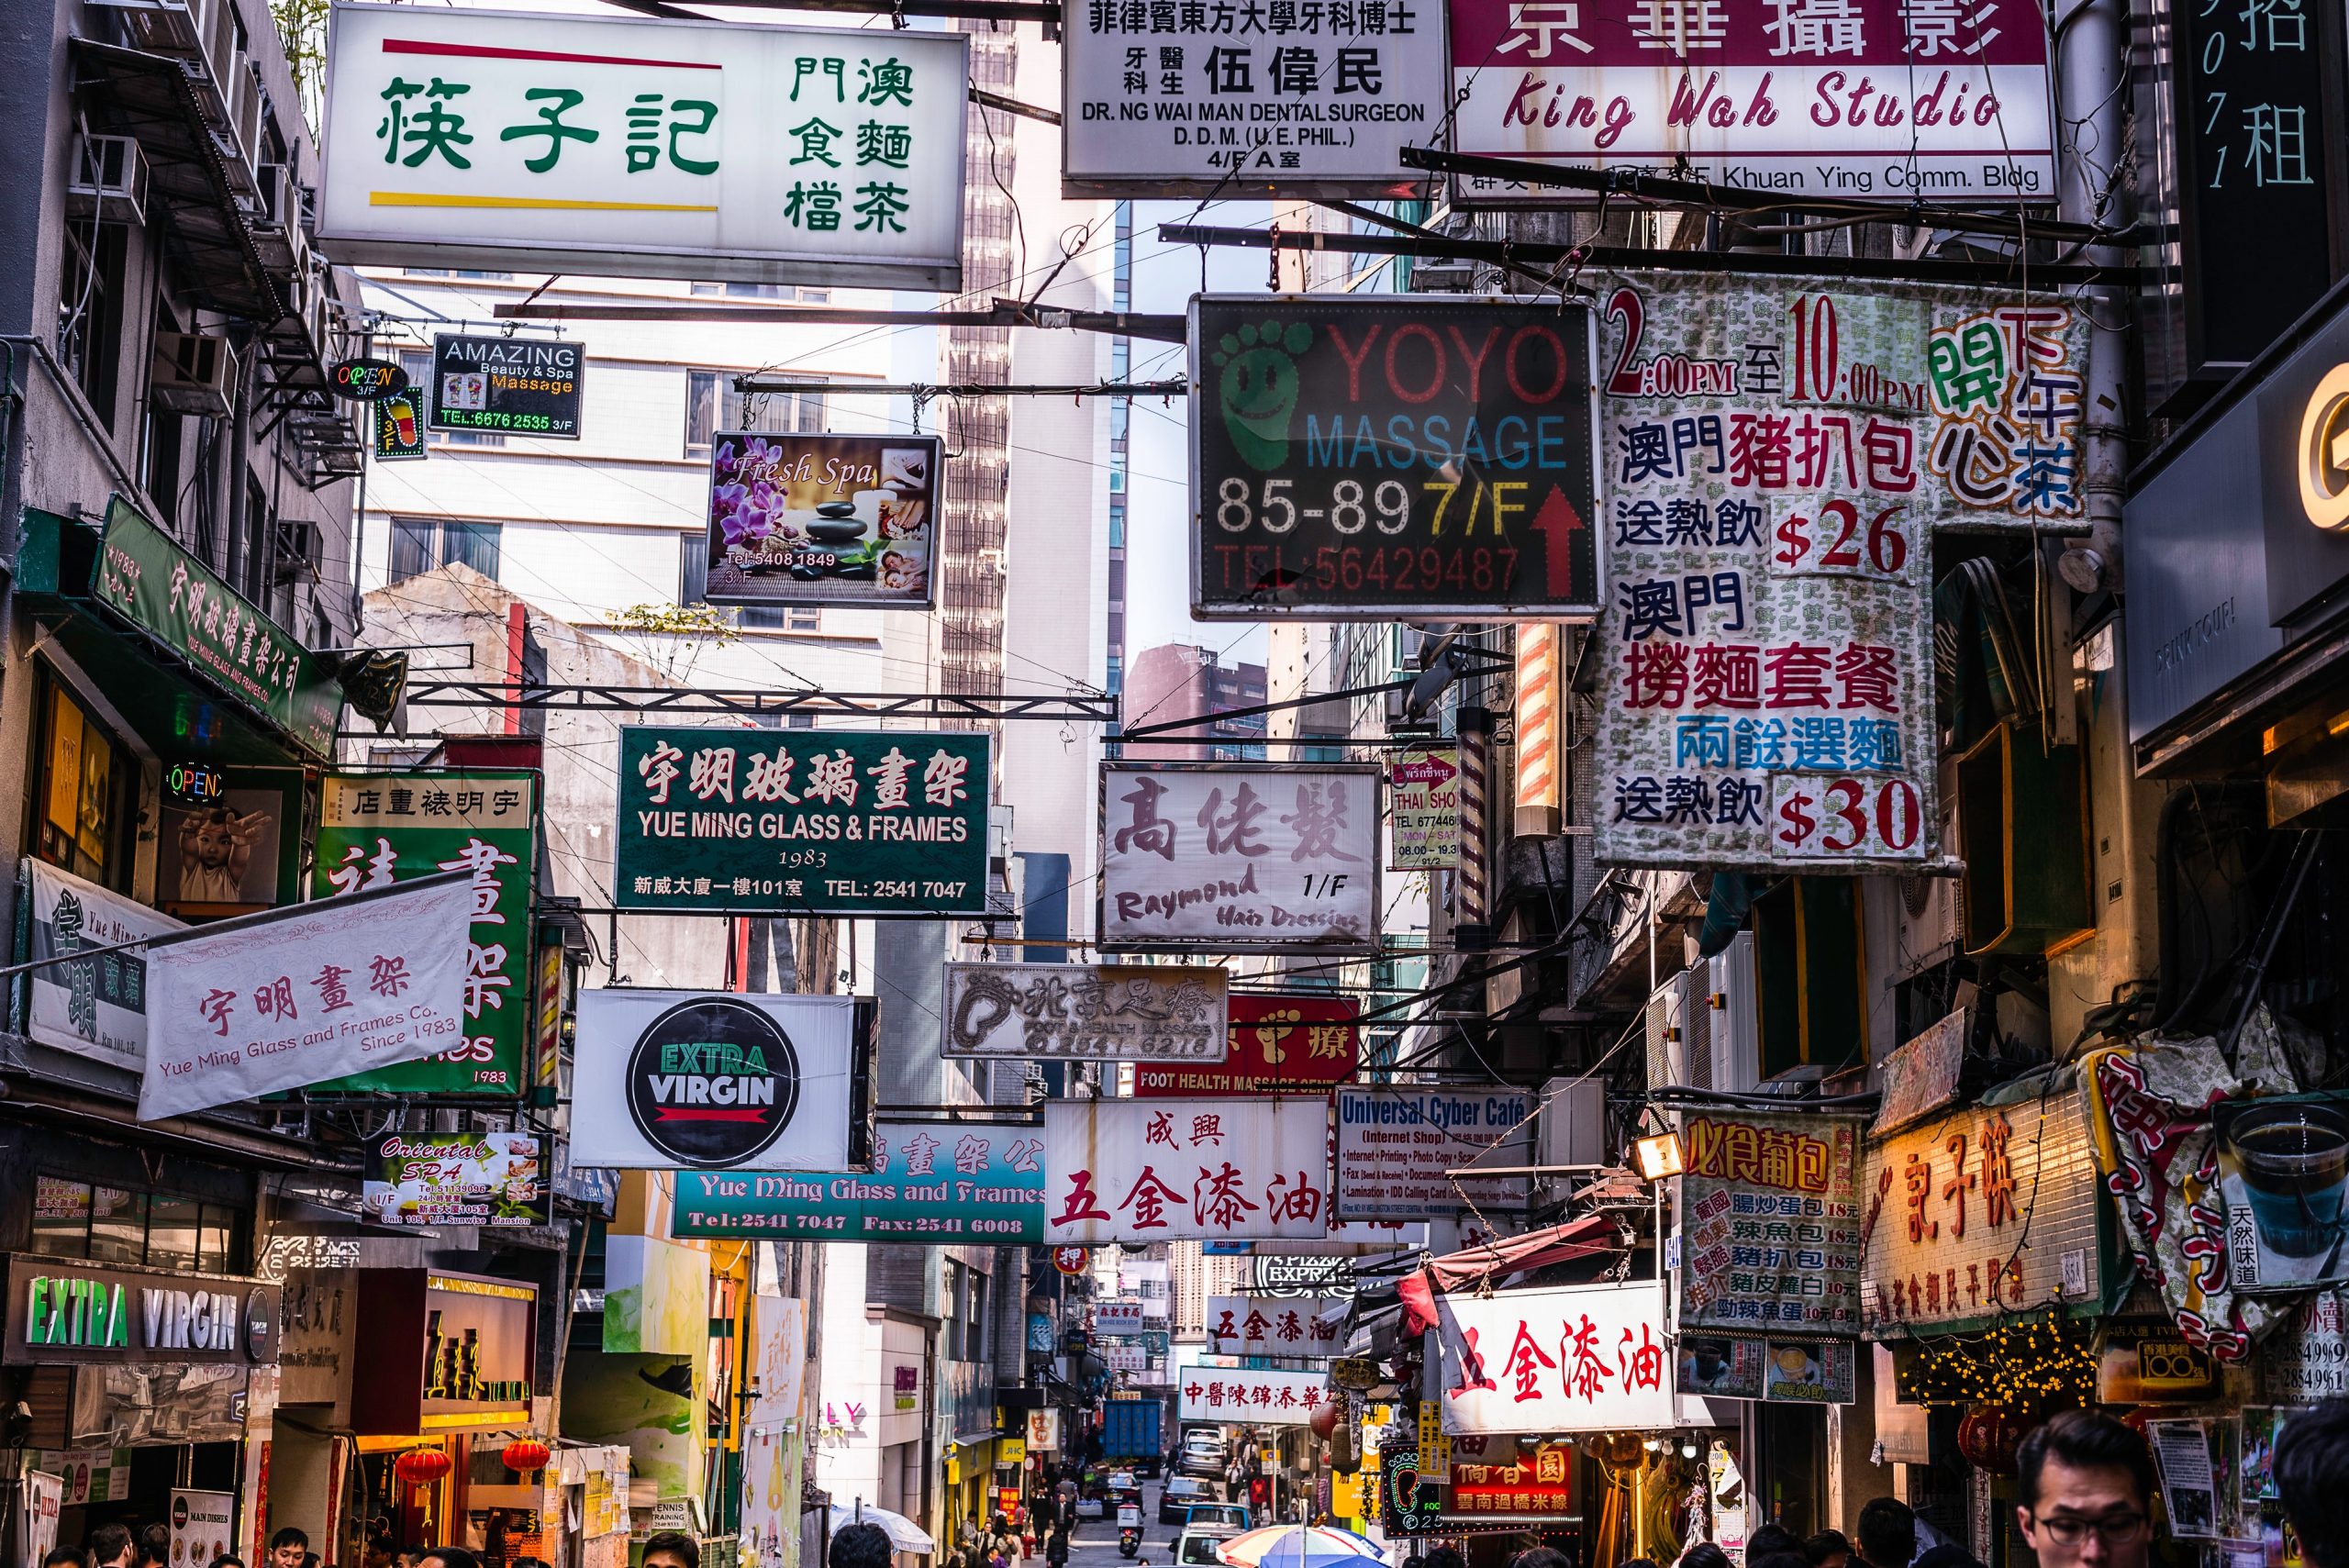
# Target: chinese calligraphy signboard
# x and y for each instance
(1173, 99)
(379, 829)
(1981, 1214)
(1276, 1045)
(298, 995)
(1354, 459)
(1395, 1147)
(1777, 459)
(524, 386)
(1898, 99)
(145, 577)
(1770, 1222)
(1085, 1012)
(822, 520)
(1238, 858)
(1117, 1318)
(802, 822)
(1505, 1487)
(1569, 1359)
(1186, 1170)
(682, 148)
(931, 1184)
(1256, 1398)
(456, 1178)
(1423, 795)
(1277, 1325)
(92, 1007)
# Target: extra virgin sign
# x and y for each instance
(1354, 457)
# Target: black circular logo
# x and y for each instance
(178, 1513)
(259, 1322)
(713, 1081)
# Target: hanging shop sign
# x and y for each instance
(837, 822)
(823, 519)
(399, 427)
(1423, 810)
(1277, 1325)
(457, 1353)
(630, 149)
(2141, 1364)
(201, 1525)
(1536, 1488)
(1239, 857)
(1361, 458)
(1072, 1260)
(1117, 1318)
(1568, 1359)
(1921, 1076)
(1411, 1505)
(1123, 1358)
(518, 387)
(932, 1184)
(1157, 104)
(1254, 1398)
(1085, 1012)
(1398, 1147)
(1800, 1372)
(1869, 97)
(145, 577)
(1779, 457)
(366, 381)
(1186, 1170)
(496, 1179)
(2306, 1360)
(1276, 1045)
(2283, 1172)
(92, 1007)
(1044, 1431)
(703, 1081)
(1769, 1210)
(1285, 1276)
(62, 1312)
(303, 995)
(1981, 1214)
(375, 829)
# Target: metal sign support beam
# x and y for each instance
(1076, 708)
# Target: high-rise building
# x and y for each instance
(1180, 680)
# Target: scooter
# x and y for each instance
(1129, 1541)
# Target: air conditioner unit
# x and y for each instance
(301, 548)
(1724, 993)
(1574, 1122)
(160, 27)
(1695, 985)
(1667, 1051)
(274, 195)
(109, 180)
(193, 373)
(2023, 826)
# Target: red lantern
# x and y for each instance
(1323, 1417)
(1989, 1436)
(422, 1466)
(526, 1454)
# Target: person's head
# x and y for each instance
(214, 839)
(1446, 1557)
(447, 1557)
(2311, 1467)
(287, 1548)
(1704, 1554)
(410, 1557)
(672, 1549)
(1542, 1557)
(1888, 1533)
(1827, 1549)
(110, 1546)
(155, 1543)
(66, 1557)
(860, 1546)
(1777, 1560)
(2084, 1489)
(225, 1561)
(1639, 1563)
(1946, 1556)
(1769, 1540)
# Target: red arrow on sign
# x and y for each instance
(1557, 522)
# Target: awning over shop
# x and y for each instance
(1582, 1238)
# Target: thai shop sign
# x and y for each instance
(1276, 1045)
(1982, 1213)
(1255, 1398)
(1769, 1210)
(932, 1183)
(1085, 1012)
(1423, 806)
(1890, 98)
(146, 578)
(1567, 1359)
(522, 386)
(1361, 458)
(796, 822)
(1779, 457)
(823, 519)
(1239, 857)
(1157, 104)
(673, 149)
(375, 829)
(496, 1179)
(92, 1007)
(1398, 1147)
(1184, 1170)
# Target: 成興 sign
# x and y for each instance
(1085, 1012)
(1180, 1170)
(521, 387)
(1568, 1359)
(685, 148)
(822, 520)
(931, 1184)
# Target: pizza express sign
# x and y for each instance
(69, 1314)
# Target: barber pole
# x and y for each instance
(1537, 730)
(1470, 927)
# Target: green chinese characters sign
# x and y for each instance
(375, 829)
(802, 822)
(932, 1183)
(145, 577)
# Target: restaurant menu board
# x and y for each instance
(1770, 1218)
(1358, 458)
(822, 520)
(519, 386)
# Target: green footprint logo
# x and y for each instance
(1258, 388)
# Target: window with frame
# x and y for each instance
(456, 272)
(712, 404)
(693, 574)
(799, 294)
(126, 1225)
(418, 363)
(426, 544)
(78, 796)
(89, 312)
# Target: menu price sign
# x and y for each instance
(1770, 1215)
(522, 386)
(1354, 457)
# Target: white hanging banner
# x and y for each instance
(1258, 1398)
(1571, 1359)
(1184, 1170)
(1277, 1325)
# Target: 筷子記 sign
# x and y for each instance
(931, 1184)
(822, 520)
(802, 822)
(1769, 1210)
(1894, 99)
(1397, 1148)
(1276, 1045)
(516, 386)
(1779, 457)
(1354, 457)
(682, 149)
(1423, 810)
(1103, 1012)
(1166, 102)
(1178, 1170)
(1239, 857)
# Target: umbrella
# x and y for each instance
(904, 1534)
(1298, 1546)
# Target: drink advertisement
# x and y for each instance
(456, 1178)
(822, 520)
(2283, 1167)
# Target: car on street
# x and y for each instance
(1196, 1547)
(1218, 1516)
(1181, 1492)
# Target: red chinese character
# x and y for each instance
(1960, 1183)
(1253, 1326)
(1216, 1197)
(387, 976)
(1161, 1131)
(1917, 1175)
(1642, 1363)
(1798, 675)
(1588, 1373)
(1998, 1171)
(1472, 1367)
(1207, 1129)
(1524, 1357)
(275, 999)
(1728, 674)
(1656, 675)
(1083, 1203)
(214, 1007)
(1870, 676)
(1890, 448)
(1283, 1201)
(333, 995)
(1148, 1198)
(1224, 1329)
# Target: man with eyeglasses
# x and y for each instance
(2313, 1481)
(2086, 1486)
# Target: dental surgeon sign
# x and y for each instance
(1355, 458)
